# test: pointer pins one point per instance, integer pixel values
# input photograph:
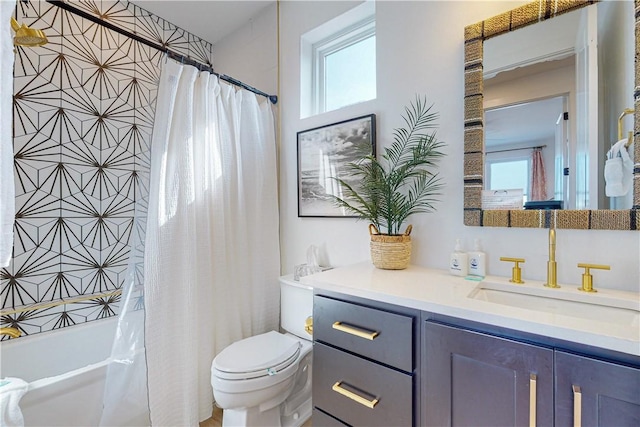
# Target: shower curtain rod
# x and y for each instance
(171, 54)
(516, 149)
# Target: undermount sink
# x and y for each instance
(622, 308)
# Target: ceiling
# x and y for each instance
(211, 20)
(533, 122)
(529, 121)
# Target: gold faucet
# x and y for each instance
(516, 271)
(587, 278)
(12, 332)
(552, 266)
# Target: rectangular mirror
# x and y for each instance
(549, 88)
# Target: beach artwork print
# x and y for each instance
(323, 153)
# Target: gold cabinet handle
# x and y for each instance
(351, 395)
(533, 406)
(362, 333)
(577, 406)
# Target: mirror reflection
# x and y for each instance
(521, 143)
(553, 93)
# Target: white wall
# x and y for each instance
(420, 51)
(250, 54)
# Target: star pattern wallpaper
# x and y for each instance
(83, 107)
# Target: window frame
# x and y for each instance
(349, 36)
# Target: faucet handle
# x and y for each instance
(516, 271)
(587, 278)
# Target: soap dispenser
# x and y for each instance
(459, 261)
(477, 260)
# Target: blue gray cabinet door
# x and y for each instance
(592, 392)
(474, 379)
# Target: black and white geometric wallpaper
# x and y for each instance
(83, 114)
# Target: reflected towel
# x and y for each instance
(11, 391)
(618, 170)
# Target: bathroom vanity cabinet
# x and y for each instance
(402, 367)
(365, 363)
(599, 393)
(421, 351)
(472, 378)
(521, 383)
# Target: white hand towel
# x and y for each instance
(627, 168)
(614, 151)
(11, 391)
(618, 170)
(613, 177)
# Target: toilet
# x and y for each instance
(265, 380)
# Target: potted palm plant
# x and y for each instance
(400, 183)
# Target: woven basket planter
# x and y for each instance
(390, 252)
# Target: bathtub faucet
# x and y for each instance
(12, 332)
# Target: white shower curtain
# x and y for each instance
(211, 251)
(7, 190)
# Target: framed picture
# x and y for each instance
(323, 154)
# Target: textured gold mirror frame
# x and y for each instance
(475, 35)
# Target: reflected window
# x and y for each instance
(509, 174)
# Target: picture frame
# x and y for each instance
(323, 153)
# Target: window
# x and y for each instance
(338, 66)
(509, 174)
(346, 69)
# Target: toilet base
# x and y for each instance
(251, 417)
(299, 416)
(269, 418)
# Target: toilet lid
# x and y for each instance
(257, 356)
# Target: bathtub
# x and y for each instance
(66, 371)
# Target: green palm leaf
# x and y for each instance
(402, 182)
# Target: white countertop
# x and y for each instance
(438, 292)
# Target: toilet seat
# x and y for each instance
(258, 356)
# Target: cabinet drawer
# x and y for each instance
(320, 419)
(386, 337)
(368, 380)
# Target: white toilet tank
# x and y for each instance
(296, 304)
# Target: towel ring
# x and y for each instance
(630, 137)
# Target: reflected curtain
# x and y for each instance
(538, 176)
(7, 190)
(212, 256)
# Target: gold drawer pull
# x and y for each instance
(577, 406)
(533, 378)
(351, 395)
(369, 335)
